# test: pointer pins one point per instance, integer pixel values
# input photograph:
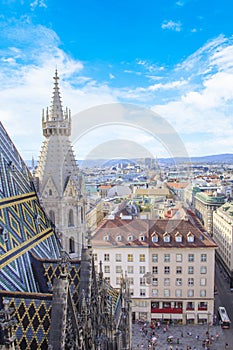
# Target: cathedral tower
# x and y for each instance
(58, 179)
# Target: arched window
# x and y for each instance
(71, 218)
(71, 245)
(52, 216)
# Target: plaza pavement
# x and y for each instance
(184, 337)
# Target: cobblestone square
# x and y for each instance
(183, 337)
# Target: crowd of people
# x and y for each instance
(151, 332)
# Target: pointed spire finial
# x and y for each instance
(56, 77)
(56, 121)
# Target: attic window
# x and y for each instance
(50, 192)
(119, 238)
(190, 237)
(155, 238)
(142, 238)
(106, 238)
(130, 238)
(166, 237)
(178, 237)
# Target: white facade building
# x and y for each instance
(223, 236)
(169, 264)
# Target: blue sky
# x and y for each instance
(172, 57)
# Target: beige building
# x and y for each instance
(58, 181)
(94, 212)
(169, 264)
(204, 205)
(223, 236)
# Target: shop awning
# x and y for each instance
(166, 316)
(190, 316)
(176, 316)
(202, 316)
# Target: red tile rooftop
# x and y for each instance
(138, 232)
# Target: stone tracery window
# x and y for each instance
(52, 216)
(71, 245)
(71, 218)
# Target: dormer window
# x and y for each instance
(130, 238)
(119, 238)
(166, 237)
(155, 238)
(190, 237)
(178, 237)
(142, 238)
(106, 238)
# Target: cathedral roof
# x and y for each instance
(24, 226)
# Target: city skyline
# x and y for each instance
(173, 58)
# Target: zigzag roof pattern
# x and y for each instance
(24, 226)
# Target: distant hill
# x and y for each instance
(226, 158)
(217, 158)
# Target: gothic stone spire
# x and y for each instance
(55, 121)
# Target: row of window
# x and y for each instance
(166, 257)
(190, 305)
(155, 269)
(178, 293)
(166, 281)
(154, 237)
(167, 293)
(178, 282)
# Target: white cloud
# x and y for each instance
(167, 86)
(202, 113)
(38, 3)
(26, 82)
(171, 25)
(196, 97)
(180, 3)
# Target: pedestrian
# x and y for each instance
(226, 345)
(182, 334)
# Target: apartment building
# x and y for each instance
(223, 236)
(204, 205)
(169, 264)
